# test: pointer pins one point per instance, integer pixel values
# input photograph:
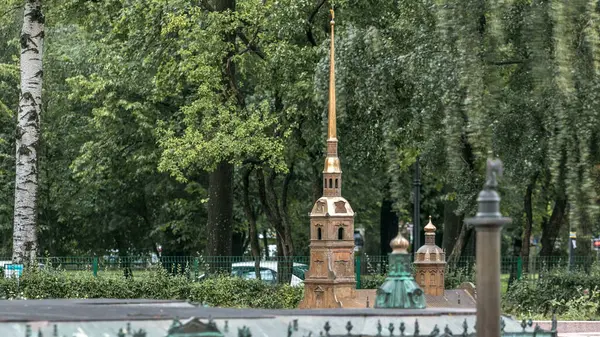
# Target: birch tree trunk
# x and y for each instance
(28, 133)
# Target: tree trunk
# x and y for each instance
(220, 189)
(220, 215)
(266, 243)
(452, 226)
(238, 246)
(251, 216)
(461, 243)
(388, 226)
(528, 207)
(276, 213)
(551, 229)
(28, 134)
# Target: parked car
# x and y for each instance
(268, 272)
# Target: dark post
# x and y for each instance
(417, 208)
(95, 266)
(488, 224)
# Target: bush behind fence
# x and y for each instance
(368, 267)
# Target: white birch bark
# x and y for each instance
(28, 134)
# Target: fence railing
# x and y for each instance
(290, 269)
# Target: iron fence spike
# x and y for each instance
(349, 327)
(435, 331)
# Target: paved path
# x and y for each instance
(574, 328)
(107, 309)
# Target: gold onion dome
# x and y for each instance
(430, 228)
(399, 244)
(429, 252)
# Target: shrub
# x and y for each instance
(571, 295)
(372, 281)
(454, 277)
(217, 291)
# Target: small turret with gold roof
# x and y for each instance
(430, 264)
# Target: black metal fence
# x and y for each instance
(366, 266)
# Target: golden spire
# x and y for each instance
(331, 130)
(332, 183)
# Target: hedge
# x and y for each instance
(573, 295)
(217, 291)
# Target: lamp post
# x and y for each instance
(417, 208)
(488, 224)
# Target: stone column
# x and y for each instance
(488, 224)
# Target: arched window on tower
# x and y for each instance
(324, 182)
(336, 183)
(319, 233)
(330, 183)
(341, 233)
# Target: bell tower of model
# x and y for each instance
(330, 278)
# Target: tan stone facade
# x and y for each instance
(330, 279)
(430, 264)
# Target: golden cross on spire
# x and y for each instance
(331, 117)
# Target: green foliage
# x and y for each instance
(216, 291)
(137, 111)
(372, 281)
(9, 97)
(570, 295)
(454, 277)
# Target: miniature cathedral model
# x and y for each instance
(330, 279)
(400, 291)
(430, 264)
